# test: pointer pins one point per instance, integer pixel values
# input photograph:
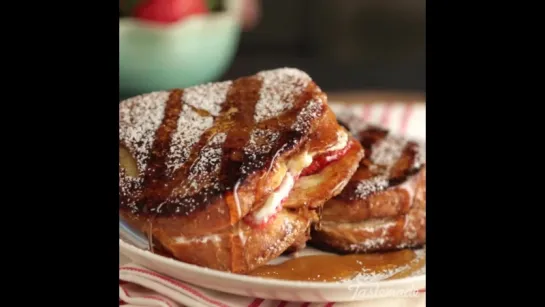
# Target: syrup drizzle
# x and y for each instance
(240, 103)
(319, 268)
(179, 184)
(237, 163)
(237, 201)
(154, 173)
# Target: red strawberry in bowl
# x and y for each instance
(169, 11)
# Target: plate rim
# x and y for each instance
(208, 272)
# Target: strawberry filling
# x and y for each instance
(319, 162)
(263, 217)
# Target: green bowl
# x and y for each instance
(197, 50)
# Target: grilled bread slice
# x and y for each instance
(217, 160)
(380, 234)
(383, 206)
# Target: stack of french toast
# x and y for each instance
(230, 175)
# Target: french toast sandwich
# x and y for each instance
(229, 175)
(383, 206)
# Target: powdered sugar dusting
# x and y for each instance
(128, 186)
(370, 186)
(208, 97)
(371, 243)
(410, 228)
(278, 92)
(202, 177)
(261, 143)
(208, 163)
(139, 119)
(288, 228)
(190, 128)
(384, 155)
(388, 151)
(310, 112)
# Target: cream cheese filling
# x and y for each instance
(295, 167)
(273, 201)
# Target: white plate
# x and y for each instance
(295, 291)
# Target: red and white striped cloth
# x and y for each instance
(139, 286)
(408, 119)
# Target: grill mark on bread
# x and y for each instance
(284, 132)
(192, 123)
(139, 118)
(242, 99)
(180, 201)
(296, 124)
(240, 104)
(155, 174)
(238, 160)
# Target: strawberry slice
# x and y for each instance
(321, 161)
(169, 11)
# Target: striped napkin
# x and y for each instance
(139, 286)
(407, 119)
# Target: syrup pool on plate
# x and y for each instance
(335, 268)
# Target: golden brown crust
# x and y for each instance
(377, 234)
(383, 206)
(235, 251)
(393, 201)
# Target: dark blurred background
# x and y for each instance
(345, 45)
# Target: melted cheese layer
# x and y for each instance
(274, 200)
